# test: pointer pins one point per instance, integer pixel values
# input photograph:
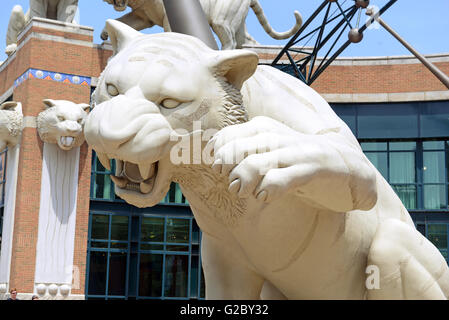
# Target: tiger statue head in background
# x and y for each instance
(11, 124)
(62, 123)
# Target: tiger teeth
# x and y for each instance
(146, 171)
(119, 182)
(146, 187)
(104, 160)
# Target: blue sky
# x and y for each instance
(425, 24)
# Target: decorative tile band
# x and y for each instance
(53, 76)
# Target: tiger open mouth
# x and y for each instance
(66, 142)
(131, 176)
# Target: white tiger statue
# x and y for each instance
(11, 124)
(226, 18)
(288, 203)
(62, 10)
(62, 123)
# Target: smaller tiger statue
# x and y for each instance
(11, 124)
(62, 123)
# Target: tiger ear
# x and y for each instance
(236, 66)
(49, 103)
(120, 34)
(85, 107)
(9, 105)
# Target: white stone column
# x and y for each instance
(12, 165)
(57, 220)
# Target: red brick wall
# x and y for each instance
(379, 79)
(64, 58)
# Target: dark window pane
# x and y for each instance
(178, 230)
(347, 113)
(195, 232)
(433, 145)
(407, 194)
(177, 248)
(100, 226)
(435, 197)
(378, 121)
(374, 146)
(437, 234)
(380, 161)
(402, 167)
(202, 285)
(145, 246)
(99, 167)
(402, 146)
(176, 275)
(150, 275)
(434, 119)
(434, 167)
(119, 228)
(103, 187)
(152, 229)
(194, 275)
(117, 274)
(97, 273)
(119, 245)
(421, 227)
(95, 244)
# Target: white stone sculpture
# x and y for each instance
(62, 10)
(62, 123)
(60, 126)
(288, 203)
(226, 17)
(11, 124)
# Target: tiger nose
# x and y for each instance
(72, 126)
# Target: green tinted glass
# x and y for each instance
(152, 229)
(178, 230)
(100, 227)
(119, 228)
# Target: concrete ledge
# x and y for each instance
(57, 26)
(386, 97)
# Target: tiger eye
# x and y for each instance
(112, 90)
(170, 103)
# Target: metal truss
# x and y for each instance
(339, 15)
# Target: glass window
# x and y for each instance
(383, 121)
(374, 146)
(434, 119)
(97, 273)
(178, 230)
(117, 274)
(435, 197)
(407, 194)
(152, 229)
(402, 167)
(434, 167)
(433, 145)
(380, 161)
(100, 227)
(437, 234)
(403, 146)
(176, 275)
(153, 263)
(119, 228)
(150, 275)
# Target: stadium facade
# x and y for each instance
(396, 108)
